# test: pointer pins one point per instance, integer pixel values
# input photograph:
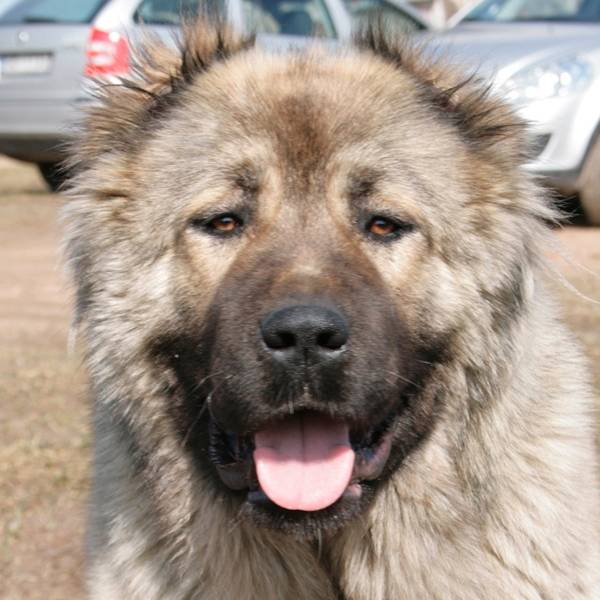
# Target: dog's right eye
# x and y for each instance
(224, 224)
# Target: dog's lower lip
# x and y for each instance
(370, 462)
(238, 475)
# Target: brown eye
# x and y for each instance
(381, 227)
(384, 228)
(225, 224)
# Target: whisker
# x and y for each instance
(397, 376)
(235, 521)
(204, 406)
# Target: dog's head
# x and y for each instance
(276, 254)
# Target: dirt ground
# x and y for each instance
(44, 440)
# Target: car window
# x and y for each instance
(536, 10)
(49, 11)
(364, 11)
(288, 17)
(170, 12)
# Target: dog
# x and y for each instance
(323, 357)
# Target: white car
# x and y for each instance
(47, 46)
(544, 57)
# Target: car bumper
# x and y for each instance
(37, 130)
(562, 130)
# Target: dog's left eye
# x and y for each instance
(225, 224)
(381, 227)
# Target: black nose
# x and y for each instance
(304, 332)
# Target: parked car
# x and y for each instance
(544, 57)
(47, 46)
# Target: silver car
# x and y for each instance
(47, 46)
(544, 56)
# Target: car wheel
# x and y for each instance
(589, 185)
(54, 175)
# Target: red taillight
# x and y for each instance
(107, 53)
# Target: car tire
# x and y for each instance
(589, 185)
(53, 173)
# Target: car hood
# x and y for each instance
(498, 49)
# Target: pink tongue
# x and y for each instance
(305, 462)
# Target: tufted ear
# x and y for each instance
(125, 109)
(483, 119)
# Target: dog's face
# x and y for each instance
(298, 225)
(309, 233)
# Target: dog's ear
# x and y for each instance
(483, 119)
(123, 110)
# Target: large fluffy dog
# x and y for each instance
(323, 358)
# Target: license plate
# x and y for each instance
(24, 64)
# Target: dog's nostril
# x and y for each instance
(332, 340)
(279, 340)
(304, 331)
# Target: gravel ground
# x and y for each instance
(44, 441)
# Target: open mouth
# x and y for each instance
(305, 462)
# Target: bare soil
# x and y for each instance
(44, 438)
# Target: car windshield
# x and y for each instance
(579, 11)
(170, 12)
(289, 17)
(48, 11)
(365, 11)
